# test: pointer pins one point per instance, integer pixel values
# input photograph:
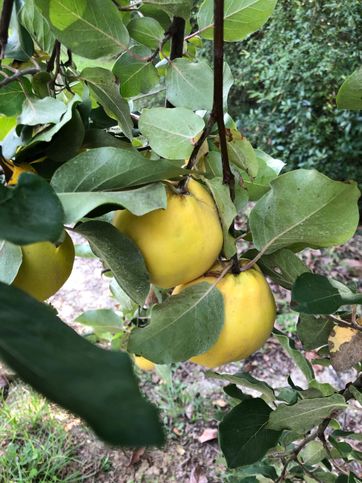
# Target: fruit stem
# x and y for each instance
(235, 269)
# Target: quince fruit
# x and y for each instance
(45, 268)
(144, 363)
(249, 315)
(178, 243)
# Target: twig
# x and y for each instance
(18, 74)
(343, 323)
(52, 58)
(4, 25)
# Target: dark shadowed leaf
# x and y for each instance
(30, 212)
(244, 438)
(185, 325)
(96, 384)
(315, 294)
(313, 331)
(121, 256)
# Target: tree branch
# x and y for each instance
(4, 25)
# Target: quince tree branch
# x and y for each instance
(4, 25)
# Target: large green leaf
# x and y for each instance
(190, 84)
(241, 18)
(11, 257)
(241, 153)
(112, 169)
(37, 25)
(350, 93)
(305, 208)
(135, 75)
(305, 414)
(146, 30)
(121, 256)
(103, 85)
(30, 212)
(138, 201)
(185, 325)
(315, 294)
(172, 133)
(19, 44)
(91, 28)
(244, 438)
(96, 384)
(313, 332)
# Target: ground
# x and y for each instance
(33, 431)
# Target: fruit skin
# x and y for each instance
(144, 363)
(178, 243)
(249, 315)
(45, 268)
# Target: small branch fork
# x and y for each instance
(319, 433)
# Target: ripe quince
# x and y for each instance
(45, 268)
(249, 315)
(178, 243)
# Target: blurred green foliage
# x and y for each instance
(286, 80)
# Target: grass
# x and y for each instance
(34, 445)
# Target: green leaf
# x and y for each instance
(263, 469)
(244, 437)
(102, 83)
(183, 326)
(42, 111)
(48, 134)
(30, 212)
(174, 8)
(315, 294)
(19, 45)
(313, 331)
(146, 30)
(355, 393)
(37, 25)
(241, 153)
(110, 168)
(227, 212)
(283, 266)
(91, 29)
(246, 380)
(96, 384)
(12, 97)
(303, 209)
(289, 346)
(350, 93)
(241, 18)
(138, 201)
(135, 74)
(268, 169)
(172, 133)
(305, 414)
(6, 125)
(190, 84)
(120, 255)
(313, 453)
(101, 320)
(11, 258)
